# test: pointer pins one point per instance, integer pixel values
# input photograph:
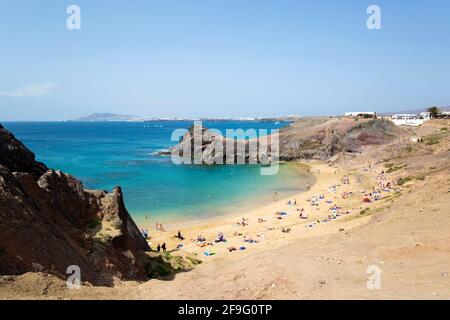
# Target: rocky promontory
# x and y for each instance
(316, 138)
(48, 222)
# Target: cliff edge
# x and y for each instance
(48, 221)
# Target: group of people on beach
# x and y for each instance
(163, 247)
(334, 211)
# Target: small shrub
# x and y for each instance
(364, 211)
(193, 261)
(396, 168)
(402, 181)
(94, 223)
(431, 141)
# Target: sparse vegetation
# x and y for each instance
(99, 242)
(161, 265)
(364, 211)
(404, 180)
(157, 267)
(391, 197)
(409, 148)
(194, 261)
(94, 223)
(392, 168)
(429, 141)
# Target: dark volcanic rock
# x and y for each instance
(48, 219)
(203, 146)
(14, 156)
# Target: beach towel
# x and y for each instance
(208, 253)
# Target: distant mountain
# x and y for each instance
(109, 117)
(413, 111)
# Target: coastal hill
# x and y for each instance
(48, 221)
(326, 138)
(317, 138)
(100, 117)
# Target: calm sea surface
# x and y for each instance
(106, 154)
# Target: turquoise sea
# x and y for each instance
(106, 154)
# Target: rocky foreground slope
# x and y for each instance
(48, 221)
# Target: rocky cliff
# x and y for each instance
(319, 138)
(329, 138)
(201, 145)
(48, 222)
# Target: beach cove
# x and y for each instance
(271, 224)
(104, 155)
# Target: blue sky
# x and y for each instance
(221, 58)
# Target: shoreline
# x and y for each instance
(268, 235)
(259, 198)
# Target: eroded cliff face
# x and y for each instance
(318, 138)
(48, 222)
(330, 138)
(201, 145)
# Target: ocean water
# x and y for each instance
(106, 154)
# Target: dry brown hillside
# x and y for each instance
(327, 138)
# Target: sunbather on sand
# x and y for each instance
(303, 215)
(220, 238)
(243, 222)
(249, 240)
(179, 236)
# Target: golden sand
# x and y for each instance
(264, 227)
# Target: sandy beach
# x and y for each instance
(276, 223)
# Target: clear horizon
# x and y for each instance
(221, 59)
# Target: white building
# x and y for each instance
(425, 116)
(407, 120)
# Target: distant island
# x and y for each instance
(100, 117)
(108, 117)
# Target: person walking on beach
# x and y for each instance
(275, 196)
(164, 247)
(158, 248)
